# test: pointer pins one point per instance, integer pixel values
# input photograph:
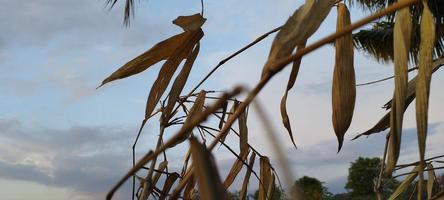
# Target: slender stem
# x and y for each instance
(381, 170)
(419, 171)
(234, 153)
(416, 163)
(160, 171)
(148, 185)
(202, 7)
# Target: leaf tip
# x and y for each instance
(99, 86)
(356, 137)
(340, 143)
(294, 144)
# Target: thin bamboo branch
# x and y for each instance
(381, 170)
(416, 163)
(435, 168)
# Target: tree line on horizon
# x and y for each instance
(359, 186)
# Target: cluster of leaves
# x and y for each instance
(190, 111)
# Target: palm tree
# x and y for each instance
(377, 40)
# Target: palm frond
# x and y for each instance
(370, 4)
(129, 9)
(377, 41)
(436, 6)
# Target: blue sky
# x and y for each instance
(61, 137)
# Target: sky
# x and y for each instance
(60, 138)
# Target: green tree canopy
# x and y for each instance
(361, 176)
(312, 188)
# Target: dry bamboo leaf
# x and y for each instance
(168, 184)
(179, 84)
(162, 166)
(243, 133)
(439, 195)
(430, 180)
(208, 180)
(423, 83)
(401, 42)
(298, 28)
(290, 84)
(168, 69)
(184, 182)
(161, 51)
(150, 186)
(244, 190)
(224, 112)
(271, 187)
(170, 142)
(411, 87)
(185, 163)
(232, 111)
(189, 189)
(235, 169)
(384, 122)
(382, 125)
(191, 22)
(405, 184)
(233, 108)
(265, 175)
(195, 110)
(197, 107)
(344, 83)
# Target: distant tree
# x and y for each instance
(361, 176)
(234, 195)
(312, 188)
(341, 196)
(441, 181)
(278, 194)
